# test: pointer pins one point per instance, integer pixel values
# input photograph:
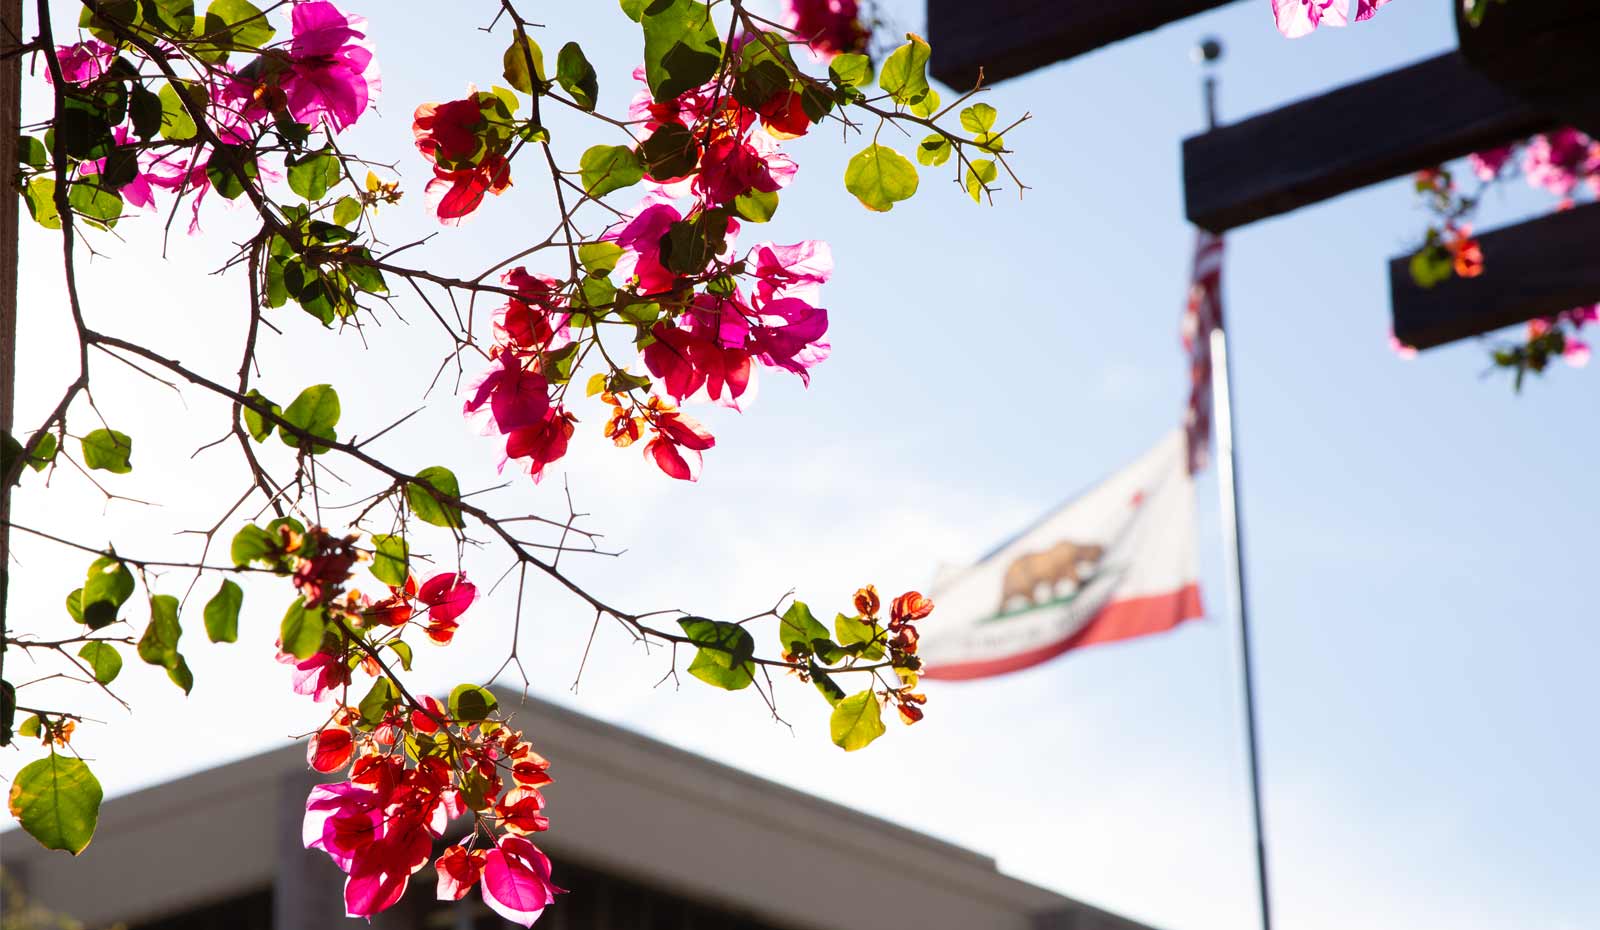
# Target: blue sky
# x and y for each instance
(1420, 538)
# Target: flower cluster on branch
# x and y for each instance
(650, 306)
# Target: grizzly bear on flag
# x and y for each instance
(1064, 561)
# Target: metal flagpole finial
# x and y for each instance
(1206, 53)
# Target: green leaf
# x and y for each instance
(220, 170)
(75, 605)
(850, 70)
(144, 109)
(176, 123)
(389, 562)
(926, 105)
(41, 197)
(302, 629)
(824, 683)
(725, 657)
(108, 450)
(880, 177)
(905, 73)
(934, 150)
(403, 650)
(797, 628)
(681, 46)
(103, 659)
(607, 168)
(175, 17)
(255, 423)
(978, 118)
(865, 634)
(430, 509)
(515, 61)
(1431, 265)
(756, 206)
(107, 587)
(470, 702)
(599, 257)
(856, 721)
(346, 211)
(316, 411)
(980, 174)
(159, 644)
(31, 152)
(312, 174)
(44, 453)
(222, 613)
(672, 151)
(381, 697)
(180, 675)
(253, 543)
(633, 9)
(236, 24)
(33, 727)
(577, 76)
(57, 800)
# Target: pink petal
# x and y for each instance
(516, 881)
(447, 597)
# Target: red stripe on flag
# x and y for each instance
(1118, 620)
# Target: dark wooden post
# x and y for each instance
(10, 130)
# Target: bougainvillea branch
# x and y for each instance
(1564, 164)
(648, 307)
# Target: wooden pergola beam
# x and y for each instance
(1533, 269)
(1346, 139)
(1542, 51)
(1007, 38)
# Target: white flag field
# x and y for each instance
(1114, 563)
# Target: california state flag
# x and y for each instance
(1115, 563)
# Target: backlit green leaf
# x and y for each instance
(41, 197)
(302, 629)
(106, 588)
(222, 613)
(850, 70)
(316, 411)
(470, 702)
(880, 177)
(599, 257)
(431, 509)
(681, 46)
(933, 150)
(904, 75)
(103, 660)
(980, 174)
(797, 628)
(607, 168)
(389, 561)
(108, 450)
(159, 644)
(577, 76)
(313, 174)
(854, 632)
(57, 800)
(255, 423)
(725, 654)
(978, 118)
(856, 721)
(515, 61)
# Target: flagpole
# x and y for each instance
(1209, 52)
